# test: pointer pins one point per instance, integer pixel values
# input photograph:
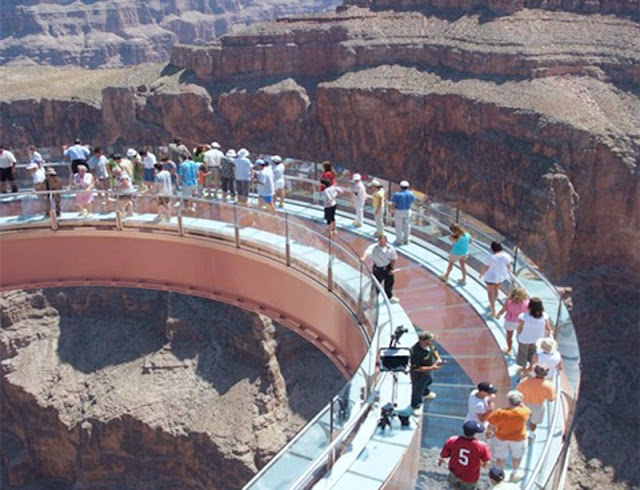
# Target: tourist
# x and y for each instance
(401, 207)
(264, 178)
(277, 167)
(136, 161)
(359, 197)
(78, 155)
(124, 163)
(188, 181)
(535, 392)
(164, 191)
(494, 273)
(7, 170)
(547, 355)
(203, 175)
(481, 403)
(38, 177)
(466, 456)
(533, 326)
(177, 150)
(170, 166)
(384, 258)
(35, 156)
(516, 303)
(496, 479)
(148, 161)
(227, 175)
(83, 183)
(424, 359)
(124, 191)
(98, 166)
(329, 196)
(54, 184)
(510, 432)
(213, 163)
(242, 167)
(328, 173)
(460, 239)
(378, 197)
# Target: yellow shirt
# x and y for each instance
(378, 199)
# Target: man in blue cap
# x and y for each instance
(466, 456)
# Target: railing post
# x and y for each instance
(330, 266)
(457, 215)
(287, 245)
(119, 220)
(515, 259)
(236, 228)
(558, 316)
(360, 311)
(180, 225)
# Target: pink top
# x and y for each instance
(514, 309)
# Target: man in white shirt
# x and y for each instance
(212, 161)
(359, 196)
(242, 170)
(38, 176)
(264, 177)
(480, 403)
(148, 162)
(7, 170)
(384, 258)
(164, 189)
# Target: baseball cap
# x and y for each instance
(496, 474)
(427, 336)
(356, 177)
(215, 144)
(541, 370)
(276, 159)
(375, 183)
(259, 162)
(471, 427)
(488, 387)
(404, 184)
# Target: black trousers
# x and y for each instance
(420, 383)
(382, 274)
(75, 163)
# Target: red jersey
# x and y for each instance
(465, 456)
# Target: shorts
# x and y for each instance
(163, 201)
(6, 174)
(455, 258)
(187, 190)
(279, 184)
(537, 413)
(149, 175)
(102, 184)
(242, 187)
(510, 326)
(525, 354)
(502, 448)
(267, 199)
(330, 214)
(457, 483)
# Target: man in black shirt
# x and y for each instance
(424, 359)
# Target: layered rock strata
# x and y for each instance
(117, 388)
(125, 32)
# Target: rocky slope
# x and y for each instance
(125, 32)
(116, 388)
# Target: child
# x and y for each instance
(516, 303)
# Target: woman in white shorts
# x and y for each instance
(495, 272)
(534, 325)
(278, 179)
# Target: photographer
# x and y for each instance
(424, 359)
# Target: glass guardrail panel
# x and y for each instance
(298, 457)
(302, 189)
(538, 287)
(569, 348)
(261, 229)
(309, 250)
(346, 274)
(19, 206)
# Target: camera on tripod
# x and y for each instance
(395, 359)
(387, 412)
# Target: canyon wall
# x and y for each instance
(223, 389)
(125, 32)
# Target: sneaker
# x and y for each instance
(516, 476)
(430, 396)
(444, 278)
(507, 351)
(406, 242)
(532, 436)
(417, 412)
(461, 282)
(393, 299)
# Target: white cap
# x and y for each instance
(276, 159)
(404, 184)
(356, 177)
(375, 183)
(131, 153)
(243, 153)
(215, 144)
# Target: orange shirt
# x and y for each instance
(510, 423)
(536, 390)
